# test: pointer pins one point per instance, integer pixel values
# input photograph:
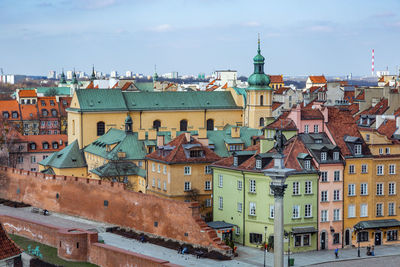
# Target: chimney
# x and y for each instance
(173, 133)
(142, 134)
(202, 133)
(187, 136)
(325, 113)
(160, 140)
(235, 132)
(152, 134)
(397, 122)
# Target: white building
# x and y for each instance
(129, 74)
(223, 77)
(12, 78)
(52, 74)
(114, 74)
(69, 74)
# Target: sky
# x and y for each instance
(298, 37)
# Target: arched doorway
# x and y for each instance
(347, 237)
(183, 125)
(156, 124)
(210, 125)
(323, 240)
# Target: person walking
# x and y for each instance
(337, 253)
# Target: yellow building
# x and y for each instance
(180, 170)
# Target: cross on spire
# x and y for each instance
(259, 50)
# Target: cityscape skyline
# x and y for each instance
(294, 36)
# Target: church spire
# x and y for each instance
(155, 76)
(259, 49)
(62, 77)
(93, 77)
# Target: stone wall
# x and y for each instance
(111, 202)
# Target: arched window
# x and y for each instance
(54, 113)
(210, 125)
(261, 100)
(100, 128)
(261, 121)
(45, 112)
(55, 145)
(45, 145)
(156, 124)
(14, 114)
(183, 125)
(32, 146)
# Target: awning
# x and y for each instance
(373, 224)
(220, 225)
(304, 230)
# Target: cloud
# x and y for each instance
(320, 28)
(387, 14)
(252, 24)
(95, 4)
(162, 28)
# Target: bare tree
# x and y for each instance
(9, 149)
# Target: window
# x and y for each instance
(316, 128)
(252, 186)
(296, 212)
(307, 164)
(336, 195)
(335, 155)
(239, 207)
(357, 149)
(296, 188)
(302, 240)
(364, 189)
(20, 159)
(362, 236)
(297, 240)
(220, 203)
(54, 113)
(256, 238)
(387, 150)
(55, 145)
(43, 124)
(165, 186)
(207, 169)
(271, 211)
(239, 185)
(392, 235)
(367, 137)
(351, 211)
(336, 176)
(252, 209)
(380, 151)
(45, 156)
(364, 168)
(392, 169)
(164, 169)
(100, 128)
(6, 115)
(187, 170)
(307, 211)
(323, 156)
(336, 215)
(33, 169)
(183, 125)
(33, 159)
(153, 167)
(392, 189)
(49, 124)
(153, 184)
(308, 187)
(305, 128)
(210, 125)
(207, 185)
(379, 210)
(14, 114)
(156, 124)
(379, 170)
(271, 191)
(45, 112)
(261, 122)
(324, 176)
(258, 164)
(261, 100)
(352, 190)
(324, 215)
(379, 189)
(364, 210)
(220, 180)
(159, 184)
(187, 186)
(391, 211)
(32, 146)
(235, 161)
(45, 145)
(237, 231)
(158, 168)
(324, 196)
(352, 169)
(336, 238)
(208, 202)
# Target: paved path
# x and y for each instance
(247, 256)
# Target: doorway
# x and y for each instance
(347, 237)
(323, 240)
(378, 238)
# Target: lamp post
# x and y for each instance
(265, 242)
(288, 234)
(278, 174)
(357, 229)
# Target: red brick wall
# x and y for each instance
(84, 197)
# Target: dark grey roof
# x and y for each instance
(352, 139)
(245, 152)
(220, 225)
(373, 224)
(120, 168)
(304, 230)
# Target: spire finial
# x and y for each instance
(259, 50)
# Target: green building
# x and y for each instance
(242, 196)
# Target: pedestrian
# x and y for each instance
(372, 251)
(337, 253)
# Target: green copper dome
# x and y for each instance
(259, 80)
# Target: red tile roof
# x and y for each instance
(9, 106)
(276, 105)
(225, 86)
(90, 85)
(379, 109)
(381, 79)
(349, 96)
(387, 128)
(115, 85)
(29, 112)
(354, 108)
(49, 138)
(27, 93)
(178, 155)
(281, 90)
(318, 79)
(276, 78)
(8, 248)
(126, 86)
(340, 124)
(311, 114)
(283, 122)
(361, 95)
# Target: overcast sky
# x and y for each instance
(191, 36)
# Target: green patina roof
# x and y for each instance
(113, 99)
(48, 171)
(42, 90)
(233, 141)
(258, 80)
(242, 92)
(145, 86)
(120, 168)
(69, 157)
(126, 142)
(217, 138)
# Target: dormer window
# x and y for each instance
(357, 149)
(196, 153)
(318, 141)
(55, 145)
(307, 164)
(235, 161)
(258, 164)
(6, 115)
(45, 145)
(335, 155)
(32, 146)
(14, 114)
(323, 156)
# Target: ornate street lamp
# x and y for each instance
(265, 242)
(278, 174)
(287, 235)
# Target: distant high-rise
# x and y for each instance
(70, 73)
(52, 74)
(129, 74)
(114, 74)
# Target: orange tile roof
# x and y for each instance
(318, 79)
(29, 112)
(361, 95)
(381, 79)
(9, 106)
(27, 93)
(115, 86)
(379, 109)
(225, 86)
(349, 96)
(96, 87)
(8, 248)
(90, 85)
(387, 128)
(126, 86)
(178, 155)
(283, 122)
(276, 105)
(276, 78)
(281, 90)
(49, 138)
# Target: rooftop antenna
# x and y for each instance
(373, 63)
